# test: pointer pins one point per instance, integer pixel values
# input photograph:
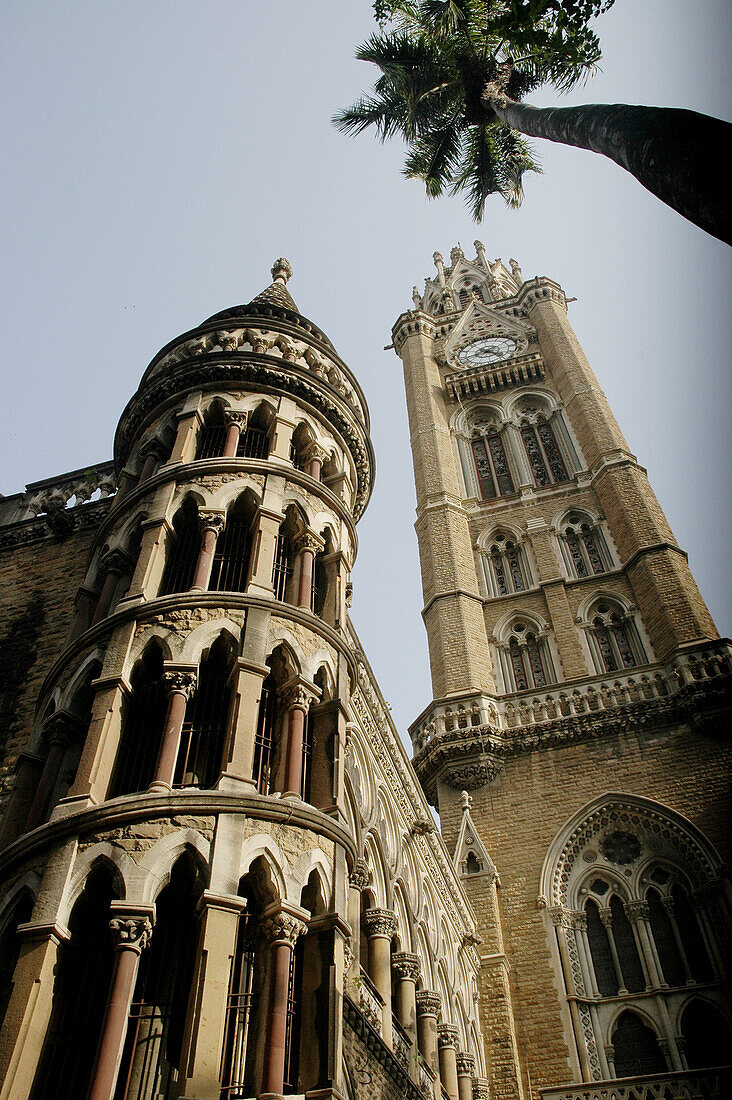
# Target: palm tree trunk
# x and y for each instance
(676, 154)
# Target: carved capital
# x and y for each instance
(182, 683)
(280, 926)
(316, 453)
(234, 416)
(637, 910)
(379, 922)
(297, 695)
(131, 930)
(448, 1035)
(62, 728)
(465, 1064)
(211, 521)
(606, 915)
(429, 1002)
(360, 876)
(117, 561)
(308, 540)
(406, 966)
(349, 593)
(481, 1088)
(559, 917)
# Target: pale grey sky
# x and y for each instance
(158, 157)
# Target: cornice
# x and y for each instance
(264, 373)
(178, 601)
(136, 808)
(27, 531)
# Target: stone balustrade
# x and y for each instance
(592, 694)
(369, 1001)
(55, 498)
(713, 1084)
(400, 1044)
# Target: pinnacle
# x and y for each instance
(277, 293)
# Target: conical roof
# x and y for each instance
(276, 293)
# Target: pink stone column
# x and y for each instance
(131, 930)
(465, 1074)
(115, 563)
(212, 524)
(180, 689)
(298, 700)
(306, 547)
(380, 926)
(281, 926)
(152, 456)
(60, 730)
(236, 423)
(316, 458)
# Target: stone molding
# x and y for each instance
(364, 1029)
(308, 540)
(63, 728)
(82, 518)
(429, 1002)
(406, 966)
(379, 922)
(481, 1088)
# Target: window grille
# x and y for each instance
(240, 1009)
(636, 1049)
(143, 717)
(307, 757)
(253, 443)
(545, 457)
(211, 440)
(180, 567)
(230, 570)
(203, 736)
(264, 737)
(292, 1030)
(283, 566)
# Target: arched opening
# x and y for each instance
(606, 977)
(232, 559)
(669, 956)
(20, 912)
(491, 464)
(306, 1063)
(79, 994)
(183, 550)
(283, 570)
(302, 439)
(636, 1047)
(700, 964)
(269, 742)
(707, 1035)
(255, 440)
(321, 733)
(543, 452)
(143, 717)
(212, 434)
(206, 724)
(150, 1067)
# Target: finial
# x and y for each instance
(440, 265)
(456, 254)
(466, 801)
(281, 270)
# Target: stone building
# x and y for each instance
(219, 874)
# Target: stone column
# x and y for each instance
(297, 698)
(236, 423)
(406, 968)
(212, 524)
(60, 729)
(306, 548)
(638, 913)
(465, 1073)
(181, 685)
(131, 929)
(316, 456)
(115, 564)
(380, 925)
(206, 1026)
(428, 1009)
(151, 454)
(358, 880)
(448, 1041)
(281, 924)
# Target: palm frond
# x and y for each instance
(434, 156)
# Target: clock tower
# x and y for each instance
(576, 744)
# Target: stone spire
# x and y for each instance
(277, 293)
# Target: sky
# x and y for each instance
(158, 157)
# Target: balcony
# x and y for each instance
(710, 1084)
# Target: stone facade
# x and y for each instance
(579, 683)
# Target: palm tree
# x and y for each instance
(454, 73)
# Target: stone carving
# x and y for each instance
(131, 932)
(405, 965)
(481, 1088)
(180, 683)
(308, 540)
(360, 875)
(637, 910)
(429, 1002)
(379, 922)
(117, 561)
(448, 1035)
(235, 416)
(211, 521)
(465, 1064)
(282, 927)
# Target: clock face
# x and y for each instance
(491, 349)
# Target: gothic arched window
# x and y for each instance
(506, 566)
(633, 891)
(255, 440)
(583, 546)
(614, 638)
(200, 757)
(544, 453)
(230, 570)
(529, 663)
(491, 465)
(143, 715)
